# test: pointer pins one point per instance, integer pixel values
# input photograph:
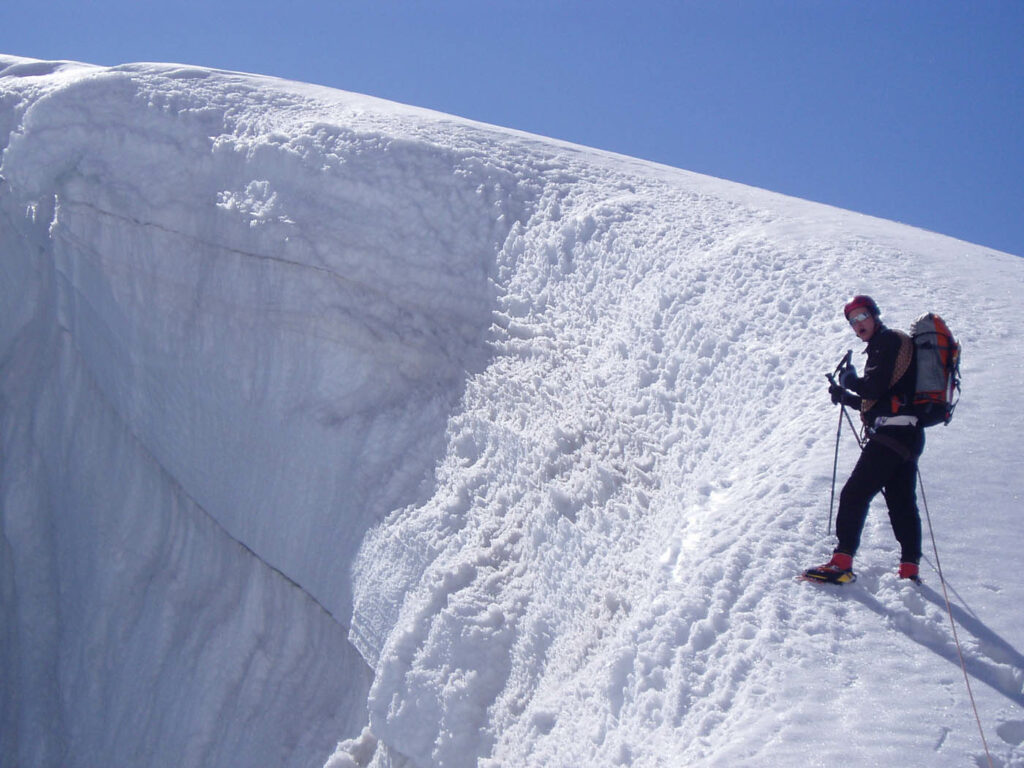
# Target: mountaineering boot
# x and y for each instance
(910, 571)
(838, 570)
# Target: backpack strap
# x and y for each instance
(903, 359)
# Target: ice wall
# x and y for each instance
(234, 323)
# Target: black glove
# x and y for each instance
(836, 393)
(847, 376)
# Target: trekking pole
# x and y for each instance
(835, 467)
(842, 411)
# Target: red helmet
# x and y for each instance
(858, 302)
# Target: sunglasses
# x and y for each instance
(859, 317)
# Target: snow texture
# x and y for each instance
(338, 432)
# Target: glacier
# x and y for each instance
(342, 432)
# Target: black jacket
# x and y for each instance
(882, 351)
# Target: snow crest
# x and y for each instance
(327, 419)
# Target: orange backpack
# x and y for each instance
(938, 370)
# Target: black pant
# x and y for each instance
(882, 468)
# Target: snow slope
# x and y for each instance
(328, 419)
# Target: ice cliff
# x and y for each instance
(322, 414)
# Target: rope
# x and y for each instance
(862, 442)
(945, 594)
(952, 623)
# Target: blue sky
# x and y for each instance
(911, 110)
